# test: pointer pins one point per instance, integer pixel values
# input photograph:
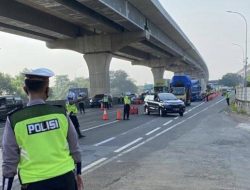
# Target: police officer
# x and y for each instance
(72, 111)
(127, 103)
(228, 97)
(40, 141)
(106, 101)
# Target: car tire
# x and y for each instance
(161, 112)
(181, 114)
(147, 112)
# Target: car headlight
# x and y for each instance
(90, 100)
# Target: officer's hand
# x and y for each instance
(79, 182)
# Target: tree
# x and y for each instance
(63, 84)
(6, 86)
(120, 83)
(231, 80)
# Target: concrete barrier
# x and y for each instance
(243, 102)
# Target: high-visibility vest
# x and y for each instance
(71, 108)
(41, 133)
(105, 99)
(127, 100)
(227, 95)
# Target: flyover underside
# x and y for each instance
(139, 31)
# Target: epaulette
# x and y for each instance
(13, 111)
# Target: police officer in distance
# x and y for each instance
(41, 142)
(72, 111)
(127, 103)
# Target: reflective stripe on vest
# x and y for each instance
(71, 108)
(41, 133)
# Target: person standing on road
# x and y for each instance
(81, 104)
(40, 141)
(106, 101)
(72, 111)
(228, 98)
(127, 103)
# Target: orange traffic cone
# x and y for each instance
(118, 115)
(105, 115)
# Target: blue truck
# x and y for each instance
(196, 90)
(181, 87)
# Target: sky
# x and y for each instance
(206, 23)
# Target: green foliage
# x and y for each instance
(231, 80)
(120, 83)
(63, 84)
(6, 86)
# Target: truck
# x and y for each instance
(196, 90)
(181, 87)
(161, 86)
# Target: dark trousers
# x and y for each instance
(106, 105)
(75, 122)
(228, 102)
(126, 111)
(62, 182)
(82, 107)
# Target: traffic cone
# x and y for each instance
(118, 115)
(105, 115)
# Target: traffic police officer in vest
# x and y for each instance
(127, 103)
(40, 142)
(72, 111)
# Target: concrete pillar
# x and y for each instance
(98, 65)
(158, 73)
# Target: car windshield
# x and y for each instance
(98, 96)
(167, 96)
(178, 90)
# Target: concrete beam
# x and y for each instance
(99, 43)
(30, 19)
(98, 65)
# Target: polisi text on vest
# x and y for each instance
(44, 126)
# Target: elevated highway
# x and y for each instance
(137, 30)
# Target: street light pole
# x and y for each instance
(245, 80)
(243, 60)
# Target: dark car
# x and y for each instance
(163, 103)
(98, 99)
(9, 103)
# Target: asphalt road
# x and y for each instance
(205, 149)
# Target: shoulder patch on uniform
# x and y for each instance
(13, 111)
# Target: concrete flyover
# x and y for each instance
(137, 30)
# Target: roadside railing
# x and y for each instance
(242, 99)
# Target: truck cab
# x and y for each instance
(181, 87)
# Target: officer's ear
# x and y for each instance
(25, 90)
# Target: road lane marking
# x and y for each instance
(88, 129)
(141, 143)
(168, 122)
(93, 164)
(105, 141)
(150, 132)
(128, 145)
(176, 117)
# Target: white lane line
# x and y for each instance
(168, 122)
(150, 132)
(142, 143)
(176, 117)
(93, 164)
(88, 129)
(105, 141)
(128, 145)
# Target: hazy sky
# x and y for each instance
(206, 24)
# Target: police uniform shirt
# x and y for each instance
(11, 151)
